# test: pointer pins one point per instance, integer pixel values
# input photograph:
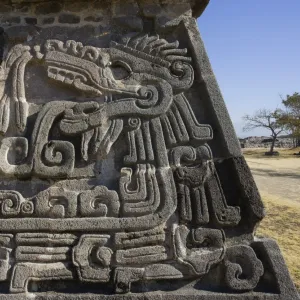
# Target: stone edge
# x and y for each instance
(198, 8)
(268, 248)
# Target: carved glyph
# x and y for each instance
(165, 214)
(93, 258)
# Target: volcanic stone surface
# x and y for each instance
(121, 176)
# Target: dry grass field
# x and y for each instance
(282, 223)
(278, 179)
(260, 153)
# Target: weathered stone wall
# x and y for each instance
(127, 15)
(23, 21)
(121, 176)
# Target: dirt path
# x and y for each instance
(277, 177)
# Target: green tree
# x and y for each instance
(267, 119)
(291, 117)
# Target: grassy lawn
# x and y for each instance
(282, 223)
(260, 152)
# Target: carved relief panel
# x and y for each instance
(136, 89)
(113, 182)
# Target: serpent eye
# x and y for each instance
(120, 70)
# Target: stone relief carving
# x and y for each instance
(199, 261)
(93, 258)
(5, 250)
(13, 69)
(99, 202)
(243, 268)
(166, 218)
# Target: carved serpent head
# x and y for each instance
(145, 70)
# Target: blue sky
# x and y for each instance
(254, 49)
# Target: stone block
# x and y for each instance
(121, 176)
(5, 8)
(94, 18)
(127, 8)
(76, 6)
(101, 5)
(132, 23)
(152, 10)
(48, 8)
(22, 8)
(31, 21)
(10, 20)
(49, 20)
(68, 19)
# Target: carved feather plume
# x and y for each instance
(153, 46)
(14, 68)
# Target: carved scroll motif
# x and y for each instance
(243, 268)
(51, 158)
(52, 203)
(93, 258)
(42, 157)
(207, 248)
(14, 205)
(60, 204)
(56, 203)
(17, 148)
(99, 202)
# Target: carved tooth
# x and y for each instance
(52, 72)
(69, 79)
(58, 78)
(61, 76)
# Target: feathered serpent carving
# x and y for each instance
(155, 47)
(88, 68)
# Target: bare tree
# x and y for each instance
(268, 119)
